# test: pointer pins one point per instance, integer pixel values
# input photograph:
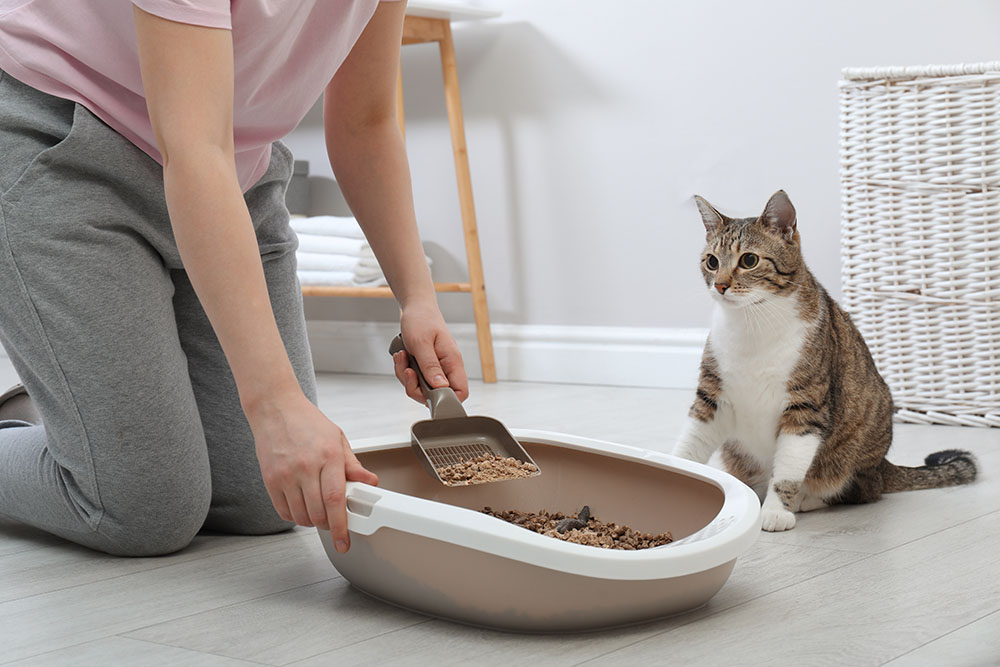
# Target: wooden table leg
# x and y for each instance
(454, 103)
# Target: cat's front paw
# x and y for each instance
(777, 519)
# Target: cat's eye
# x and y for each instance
(749, 260)
(712, 262)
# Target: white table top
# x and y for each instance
(453, 11)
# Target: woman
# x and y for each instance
(148, 296)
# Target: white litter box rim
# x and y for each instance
(726, 537)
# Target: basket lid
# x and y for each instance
(918, 71)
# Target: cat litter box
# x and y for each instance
(426, 547)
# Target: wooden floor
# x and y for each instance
(911, 580)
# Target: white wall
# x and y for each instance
(590, 125)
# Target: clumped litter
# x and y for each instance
(485, 468)
(582, 529)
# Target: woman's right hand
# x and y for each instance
(306, 460)
(427, 337)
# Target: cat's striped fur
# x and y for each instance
(788, 388)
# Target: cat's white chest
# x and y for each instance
(755, 357)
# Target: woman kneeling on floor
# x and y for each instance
(148, 294)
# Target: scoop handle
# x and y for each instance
(443, 402)
(397, 345)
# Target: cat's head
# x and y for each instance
(749, 260)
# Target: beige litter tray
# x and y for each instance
(426, 547)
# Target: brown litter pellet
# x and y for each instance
(595, 533)
(485, 468)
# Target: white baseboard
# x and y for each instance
(622, 356)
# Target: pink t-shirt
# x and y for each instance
(285, 52)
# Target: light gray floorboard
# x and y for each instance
(368, 406)
(865, 613)
(83, 613)
(284, 627)
(974, 645)
(26, 573)
(912, 577)
(121, 651)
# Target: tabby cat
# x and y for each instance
(788, 387)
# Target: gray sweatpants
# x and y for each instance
(144, 442)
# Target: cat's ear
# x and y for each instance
(779, 215)
(712, 219)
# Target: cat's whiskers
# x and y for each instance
(749, 319)
(768, 312)
(757, 315)
(765, 322)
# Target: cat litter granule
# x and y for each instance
(582, 529)
(485, 468)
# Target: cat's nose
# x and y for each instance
(722, 287)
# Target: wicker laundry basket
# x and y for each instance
(920, 177)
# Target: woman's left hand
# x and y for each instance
(427, 337)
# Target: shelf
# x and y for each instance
(378, 292)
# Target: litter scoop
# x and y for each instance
(450, 436)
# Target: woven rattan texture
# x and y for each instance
(920, 180)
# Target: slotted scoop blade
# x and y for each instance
(450, 436)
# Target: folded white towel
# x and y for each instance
(338, 278)
(368, 269)
(333, 245)
(326, 278)
(329, 225)
(319, 261)
(325, 258)
(364, 274)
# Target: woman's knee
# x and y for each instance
(156, 524)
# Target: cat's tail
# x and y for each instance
(946, 468)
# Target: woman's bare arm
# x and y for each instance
(189, 94)
(369, 160)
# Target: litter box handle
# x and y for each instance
(368, 509)
(443, 402)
